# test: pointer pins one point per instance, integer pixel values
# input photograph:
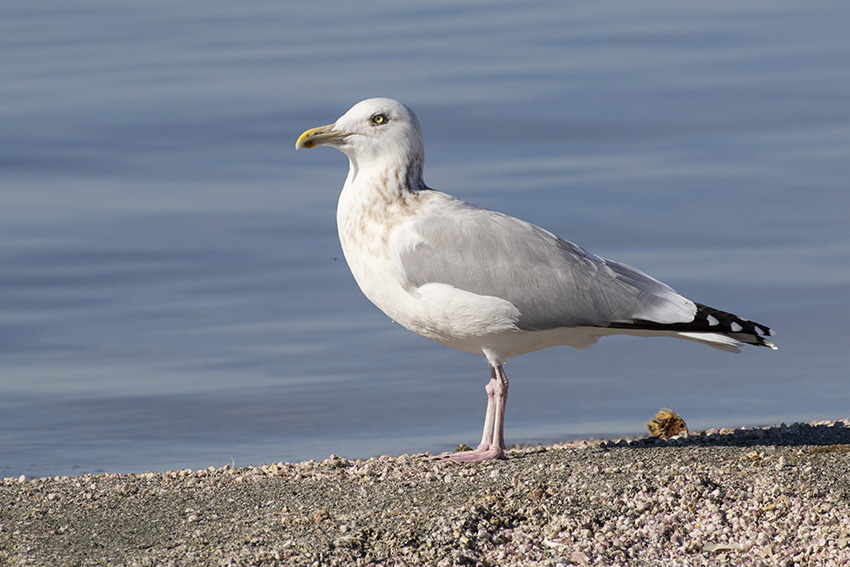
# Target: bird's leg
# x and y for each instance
(501, 394)
(493, 439)
(490, 416)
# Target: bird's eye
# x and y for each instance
(379, 118)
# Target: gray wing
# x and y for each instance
(552, 282)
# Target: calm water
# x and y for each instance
(173, 294)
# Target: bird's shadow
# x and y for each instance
(833, 436)
(795, 435)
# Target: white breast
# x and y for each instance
(374, 233)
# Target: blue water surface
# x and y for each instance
(173, 294)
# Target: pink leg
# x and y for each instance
(490, 416)
(493, 439)
(502, 401)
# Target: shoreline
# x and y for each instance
(757, 496)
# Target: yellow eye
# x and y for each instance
(379, 119)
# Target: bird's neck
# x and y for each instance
(390, 180)
(370, 200)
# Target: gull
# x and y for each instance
(481, 281)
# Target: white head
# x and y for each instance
(377, 132)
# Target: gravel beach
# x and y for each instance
(752, 496)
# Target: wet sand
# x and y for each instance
(755, 496)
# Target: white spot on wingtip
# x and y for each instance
(712, 321)
(736, 327)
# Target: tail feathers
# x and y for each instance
(710, 321)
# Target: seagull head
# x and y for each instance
(377, 132)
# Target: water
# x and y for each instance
(173, 294)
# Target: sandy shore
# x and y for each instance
(765, 496)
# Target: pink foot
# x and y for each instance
(478, 455)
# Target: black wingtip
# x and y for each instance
(709, 320)
(714, 320)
